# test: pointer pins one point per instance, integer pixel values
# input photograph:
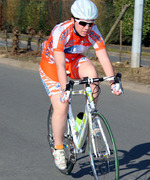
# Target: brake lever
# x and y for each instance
(69, 87)
(118, 82)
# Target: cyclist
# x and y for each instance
(63, 51)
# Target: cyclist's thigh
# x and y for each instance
(52, 87)
(82, 67)
(53, 90)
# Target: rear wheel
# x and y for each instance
(68, 144)
(102, 150)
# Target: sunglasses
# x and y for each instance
(83, 23)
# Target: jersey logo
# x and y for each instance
(95, 36)
(64, 35)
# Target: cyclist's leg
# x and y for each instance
(83, 67)
(88, 69)
(58, 117)
(60, 111)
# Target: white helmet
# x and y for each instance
(84, 9)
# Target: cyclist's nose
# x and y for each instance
(87, 26)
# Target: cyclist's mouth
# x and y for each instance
(85, 32)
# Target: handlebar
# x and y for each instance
(87, 81)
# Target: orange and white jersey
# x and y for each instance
(64, 38)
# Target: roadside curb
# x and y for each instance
(138, 87)
(18, 63)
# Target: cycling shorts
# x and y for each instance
(49, 74)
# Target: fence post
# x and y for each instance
(121, 22)
(21, 15)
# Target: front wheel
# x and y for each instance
(102, 150)
(68, 144)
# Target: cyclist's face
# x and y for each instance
(83, 27)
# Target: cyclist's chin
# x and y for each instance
(83, 34)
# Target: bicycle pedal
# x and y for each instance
(82, 150)
(111, 151)
(73, 158)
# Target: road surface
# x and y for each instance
(24, 148)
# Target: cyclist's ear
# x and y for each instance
(72, 19)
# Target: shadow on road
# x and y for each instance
(133, 162)
(85, 168)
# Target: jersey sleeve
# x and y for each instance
(58, 40)
(96, 39)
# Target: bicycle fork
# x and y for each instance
(97, 154)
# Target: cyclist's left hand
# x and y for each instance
(115, 90)
(65, 96)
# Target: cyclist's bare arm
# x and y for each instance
(61, 68)
(105, 62)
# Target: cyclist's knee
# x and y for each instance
(88, 69)
(59, 107)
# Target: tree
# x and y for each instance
(1, 13)
(146, 23)
(35, 14)
(106, 19)
(58, 11)
(128, 20)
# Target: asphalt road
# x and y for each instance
(24, 150)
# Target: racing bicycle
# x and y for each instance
(92, 129)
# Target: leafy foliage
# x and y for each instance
(128, 19)
(106, 18)
(45, 14)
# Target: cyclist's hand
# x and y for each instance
(116, 89)
(65, 96)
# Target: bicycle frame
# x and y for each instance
(80, 138)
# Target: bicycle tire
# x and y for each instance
(67, 143)
(105, 165)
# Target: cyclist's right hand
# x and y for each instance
(65, 96)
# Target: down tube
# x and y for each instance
(80, 139)
(84, 129)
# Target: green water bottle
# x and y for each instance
(79, 119)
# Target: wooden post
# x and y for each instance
(120, 55)
(116, 22)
